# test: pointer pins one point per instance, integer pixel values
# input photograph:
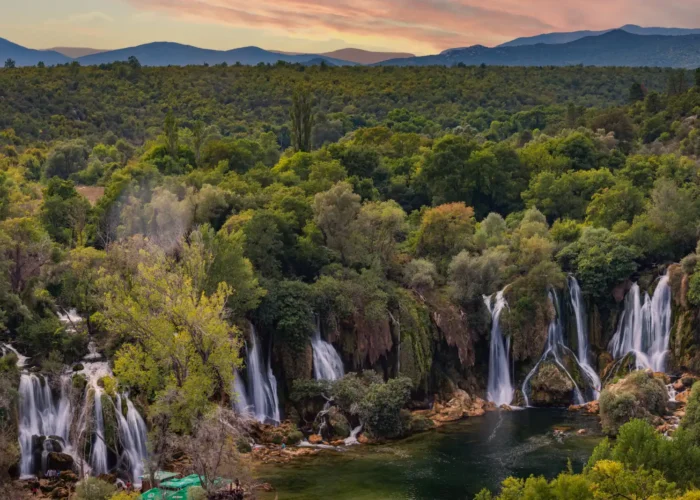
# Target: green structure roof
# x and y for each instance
(185, 482)
(155, 494)
(160, 475)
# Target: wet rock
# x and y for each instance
(340, 427)
(551, 387)
(315, 439)
(68, 476)
(591, 408)
(59, 461)
(683, 397)
(60, 493)
(363, 439)
(581, 432)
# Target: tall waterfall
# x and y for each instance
(262, 384)
(98, 457)
(40, 415)
(554, 350)
(500, 387)
(133, 435)
(327, 362)
(584, 353)
(242, 404)
(645, 327)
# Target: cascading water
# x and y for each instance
(241, 403)
(39, 415)
(132, 435)
(262, 384)
(500, 387)
(327, 362)
(554, 350)
(584, 353)
(644, 328)
(98, 457)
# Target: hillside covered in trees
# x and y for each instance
(195, 218)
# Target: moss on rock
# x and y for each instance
(639, 395)
(550, 386)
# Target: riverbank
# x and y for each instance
(454, 461)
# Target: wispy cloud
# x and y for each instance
(82, 19)
(434, 24)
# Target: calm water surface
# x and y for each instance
(453, 462)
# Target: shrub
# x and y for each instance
(92, 488)
(639, 395)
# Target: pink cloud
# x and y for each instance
(432, 24)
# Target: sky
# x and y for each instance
(417, 26)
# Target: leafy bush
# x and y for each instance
(639, 395)
(92, 488)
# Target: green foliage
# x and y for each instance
(639, 395)
(599, 259)
(92, 488)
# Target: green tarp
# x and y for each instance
(155, 494)
(185, 482)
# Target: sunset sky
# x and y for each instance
(418, 26)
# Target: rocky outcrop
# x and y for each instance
(460, 406)
(639, 395)
(551, 386)
(59, 461)
(339, 425)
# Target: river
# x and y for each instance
(453, 462)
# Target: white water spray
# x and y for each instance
(327, 362)
(133, 435)
(644, 328)
(584, 353)
(262, 384)
(500, 387)
(554, 350)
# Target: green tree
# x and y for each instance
(10, 63)
(636, 92)
(302, 117)
(170, 131)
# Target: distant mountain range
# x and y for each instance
(175, 54)
(613, 48)
(558, 38)
(630, 45)
(75, 52)
(29, 57)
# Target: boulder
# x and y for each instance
(59, 461)
(60, 493)
(340, 427)
(550, 386)
(683, 397)
(315, 439)
(68, 476)
(639, 395)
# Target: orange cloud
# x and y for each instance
(432, 24)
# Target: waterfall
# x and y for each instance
(327, 362)
(644, 328)
(98, 457)
(39, 415)
(241, 403)
(584, 353)
(262, 384)
(132, 435)
(554, 349)
(500, 388)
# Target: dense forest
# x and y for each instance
(192, 215)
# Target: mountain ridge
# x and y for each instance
(613, 48)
